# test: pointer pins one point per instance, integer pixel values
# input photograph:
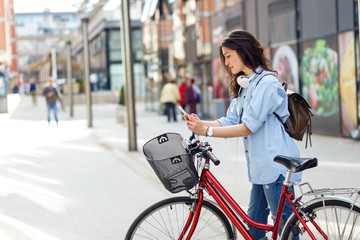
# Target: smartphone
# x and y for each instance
(182, 110)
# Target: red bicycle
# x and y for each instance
(326, 216)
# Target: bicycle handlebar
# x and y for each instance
(207, 153)
(196, 146)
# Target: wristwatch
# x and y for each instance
(209, 132)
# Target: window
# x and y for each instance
(282, 16)
(136, 41)
(317, 18)
(345, 10)
(19, 20)
(115, 45)
(116, 76)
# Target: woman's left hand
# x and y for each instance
(195, 125)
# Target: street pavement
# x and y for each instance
(73, 182)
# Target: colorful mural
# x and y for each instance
(347, 82)
(320, 78)
(286, 64)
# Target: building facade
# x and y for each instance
(7, 38)
(105, 48)
(7, 49)
(313, 45)
(38, 33)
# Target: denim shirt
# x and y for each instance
(255, 106)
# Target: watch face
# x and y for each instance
(210, 132)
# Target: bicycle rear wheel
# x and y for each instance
(166, 220)
(338, 219)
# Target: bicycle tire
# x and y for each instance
(166, 219)
(332, 217)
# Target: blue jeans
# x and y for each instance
(264, 198)
(52, 106)
(170, 110)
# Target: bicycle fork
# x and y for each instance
(193, 217)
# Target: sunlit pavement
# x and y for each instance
(58, 182)
(75, 182)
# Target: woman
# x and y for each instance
(257, 94)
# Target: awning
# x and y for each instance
(60, 60)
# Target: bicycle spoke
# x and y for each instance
(199, 229)
(336, 222)
(168, 215)
(353, 224)
(162, 225)
(339, 219)
(166, 219)
(163, 231)
(353, 227)
(140, 235)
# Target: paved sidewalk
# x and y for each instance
(338, 153)
(339, 161)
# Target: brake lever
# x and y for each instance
(193, 147)
(194, 136)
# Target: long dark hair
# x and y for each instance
(250, 51)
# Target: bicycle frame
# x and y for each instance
(234, 211)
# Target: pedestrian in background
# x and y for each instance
(21, 84)
(93, 81)
(33, 89)
(51, 96)
(182, 88)
(170, 96)
(192, 95)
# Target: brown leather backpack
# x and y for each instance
(299, 121)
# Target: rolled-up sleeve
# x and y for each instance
(267, 97)
(231, 117)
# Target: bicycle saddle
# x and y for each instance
(295, 164)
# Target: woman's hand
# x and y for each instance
(191, 116)
(194, 124)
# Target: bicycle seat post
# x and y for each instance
(287, 181)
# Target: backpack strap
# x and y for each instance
(278, 117)
(284, 84)
(308, 133)
(264, 76)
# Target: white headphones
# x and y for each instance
(244, 81)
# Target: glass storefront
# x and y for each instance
(116, 79)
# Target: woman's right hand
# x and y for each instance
(191, 117)
(194, 124)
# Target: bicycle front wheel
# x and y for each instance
(166, 220)
(337, 219)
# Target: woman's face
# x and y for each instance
(234, 61)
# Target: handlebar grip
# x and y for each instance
(212, 157)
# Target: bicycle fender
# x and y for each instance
(325, 198)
